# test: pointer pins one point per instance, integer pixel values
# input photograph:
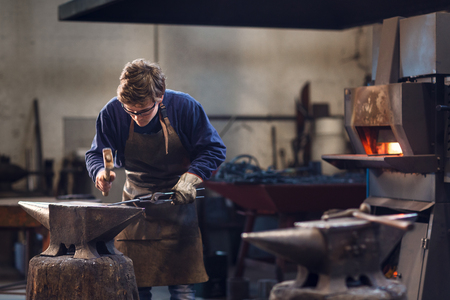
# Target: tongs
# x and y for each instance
(152, 198)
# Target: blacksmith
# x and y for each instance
(173, 148)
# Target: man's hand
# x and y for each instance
(101, 183)
(185, 189)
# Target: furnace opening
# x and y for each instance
(379, 140)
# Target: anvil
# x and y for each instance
(89, 228)
(334, 252)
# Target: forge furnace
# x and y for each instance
(399, 128)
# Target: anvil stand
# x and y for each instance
(95, 270)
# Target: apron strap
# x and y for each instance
(130, 133)
(165, 124)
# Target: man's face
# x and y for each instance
(143, 114)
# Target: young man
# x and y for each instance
(173, 148)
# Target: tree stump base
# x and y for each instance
(66, 278)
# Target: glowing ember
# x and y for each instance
(389, 148)
(394, 148)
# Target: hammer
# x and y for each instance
(109, 164)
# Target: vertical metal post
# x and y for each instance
(440, 138)
(250, 217)
(39, 160)
(274, 147)
(436, 264)
(156, 42)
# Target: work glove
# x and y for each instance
(101, 183)
(185, 190)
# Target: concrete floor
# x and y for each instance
(159, 293)
(255, 272)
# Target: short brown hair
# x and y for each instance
(140, 81)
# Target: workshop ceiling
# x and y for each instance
(296, 14)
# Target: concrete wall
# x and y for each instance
(72, 68)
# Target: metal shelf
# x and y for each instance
(405, 164)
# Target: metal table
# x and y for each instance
(13, 217)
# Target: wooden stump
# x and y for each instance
(65, 278)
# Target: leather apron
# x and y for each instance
(165, 244)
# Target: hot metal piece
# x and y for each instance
(90, 228)
(342, 255)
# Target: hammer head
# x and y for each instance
(108, 159)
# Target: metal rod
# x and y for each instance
(38, 137)
(442, 108)
(156, 42)
(404, 225)
(252, 118)
(13, 285)
(168, 200)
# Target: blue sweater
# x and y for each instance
(186, 115)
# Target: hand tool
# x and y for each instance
(403, 225)
(109, 165)
(152, 198)
(364, 213)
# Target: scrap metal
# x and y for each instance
(245, 169)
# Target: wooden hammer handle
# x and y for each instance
(107, 175)
(109, 165)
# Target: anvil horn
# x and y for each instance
(304, 246)
(38, 210)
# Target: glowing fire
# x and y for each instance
(379, 140)
(389, 148)
(394, 148)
